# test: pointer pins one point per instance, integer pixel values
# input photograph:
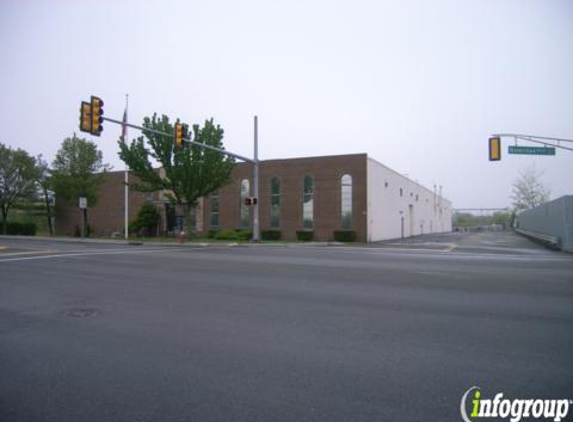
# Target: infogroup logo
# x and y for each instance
(514, 409)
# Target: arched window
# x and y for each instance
(346, 201)
(308, 203)
(245, 209)
(275, 203)
(214, 209)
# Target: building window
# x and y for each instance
(214, 204)
(401, 192)
(275, 203)
(308, 203)
(149, 197)
(245, 209)
(346, 201)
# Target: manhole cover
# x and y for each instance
(82, 313)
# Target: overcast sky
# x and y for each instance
(418, 85)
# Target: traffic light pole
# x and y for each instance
(188, 140)
(543, 140)
(256, 229)
(254, 161)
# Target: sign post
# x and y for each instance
(83, 205)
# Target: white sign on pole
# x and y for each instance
(83, 202)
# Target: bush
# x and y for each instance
(233, 235)
(226, 235)
(304, 235)
(23, 229)
(212, 234)
(270, 234)
(344, 235)
(244, 234)
(146, 222)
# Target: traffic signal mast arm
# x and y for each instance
(188, 140)
(554, 142)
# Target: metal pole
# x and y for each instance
(126, 177)
(534, 136)
(537, 139)
(83, 211)
(222, 151)
(256, 229)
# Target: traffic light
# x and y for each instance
(254, 201)
(86, 117)
(180, 133)
(494, 148)
(248, 202)
(97, 115)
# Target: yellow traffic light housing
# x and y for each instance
(97, 115)
(179, 134)
(494, 148)
(86, 117)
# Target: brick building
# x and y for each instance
(319, 194)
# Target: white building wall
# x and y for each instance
(399, 207)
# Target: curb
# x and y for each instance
(135, 242)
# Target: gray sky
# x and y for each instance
(418, 85)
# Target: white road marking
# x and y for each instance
(89, 253)
(439, 254)
(37, 251)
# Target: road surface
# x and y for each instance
(396, 331)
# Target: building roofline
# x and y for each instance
(407, 178)
(314, 157)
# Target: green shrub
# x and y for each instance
(145, 223)
(344, 235)
(226, 235)
(244, 234)
(212, 234)
(304, 235)
(23, 229)
(271, 234)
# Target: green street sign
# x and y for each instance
(531, 150)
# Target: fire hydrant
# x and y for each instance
(182, 237)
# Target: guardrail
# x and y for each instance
(554, 241)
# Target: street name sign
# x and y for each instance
(531, 150)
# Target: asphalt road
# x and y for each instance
(390, 332)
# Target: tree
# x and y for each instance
(188, 173)
(44, 182)
(17, 176)
(78, 170)
(528, 191)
